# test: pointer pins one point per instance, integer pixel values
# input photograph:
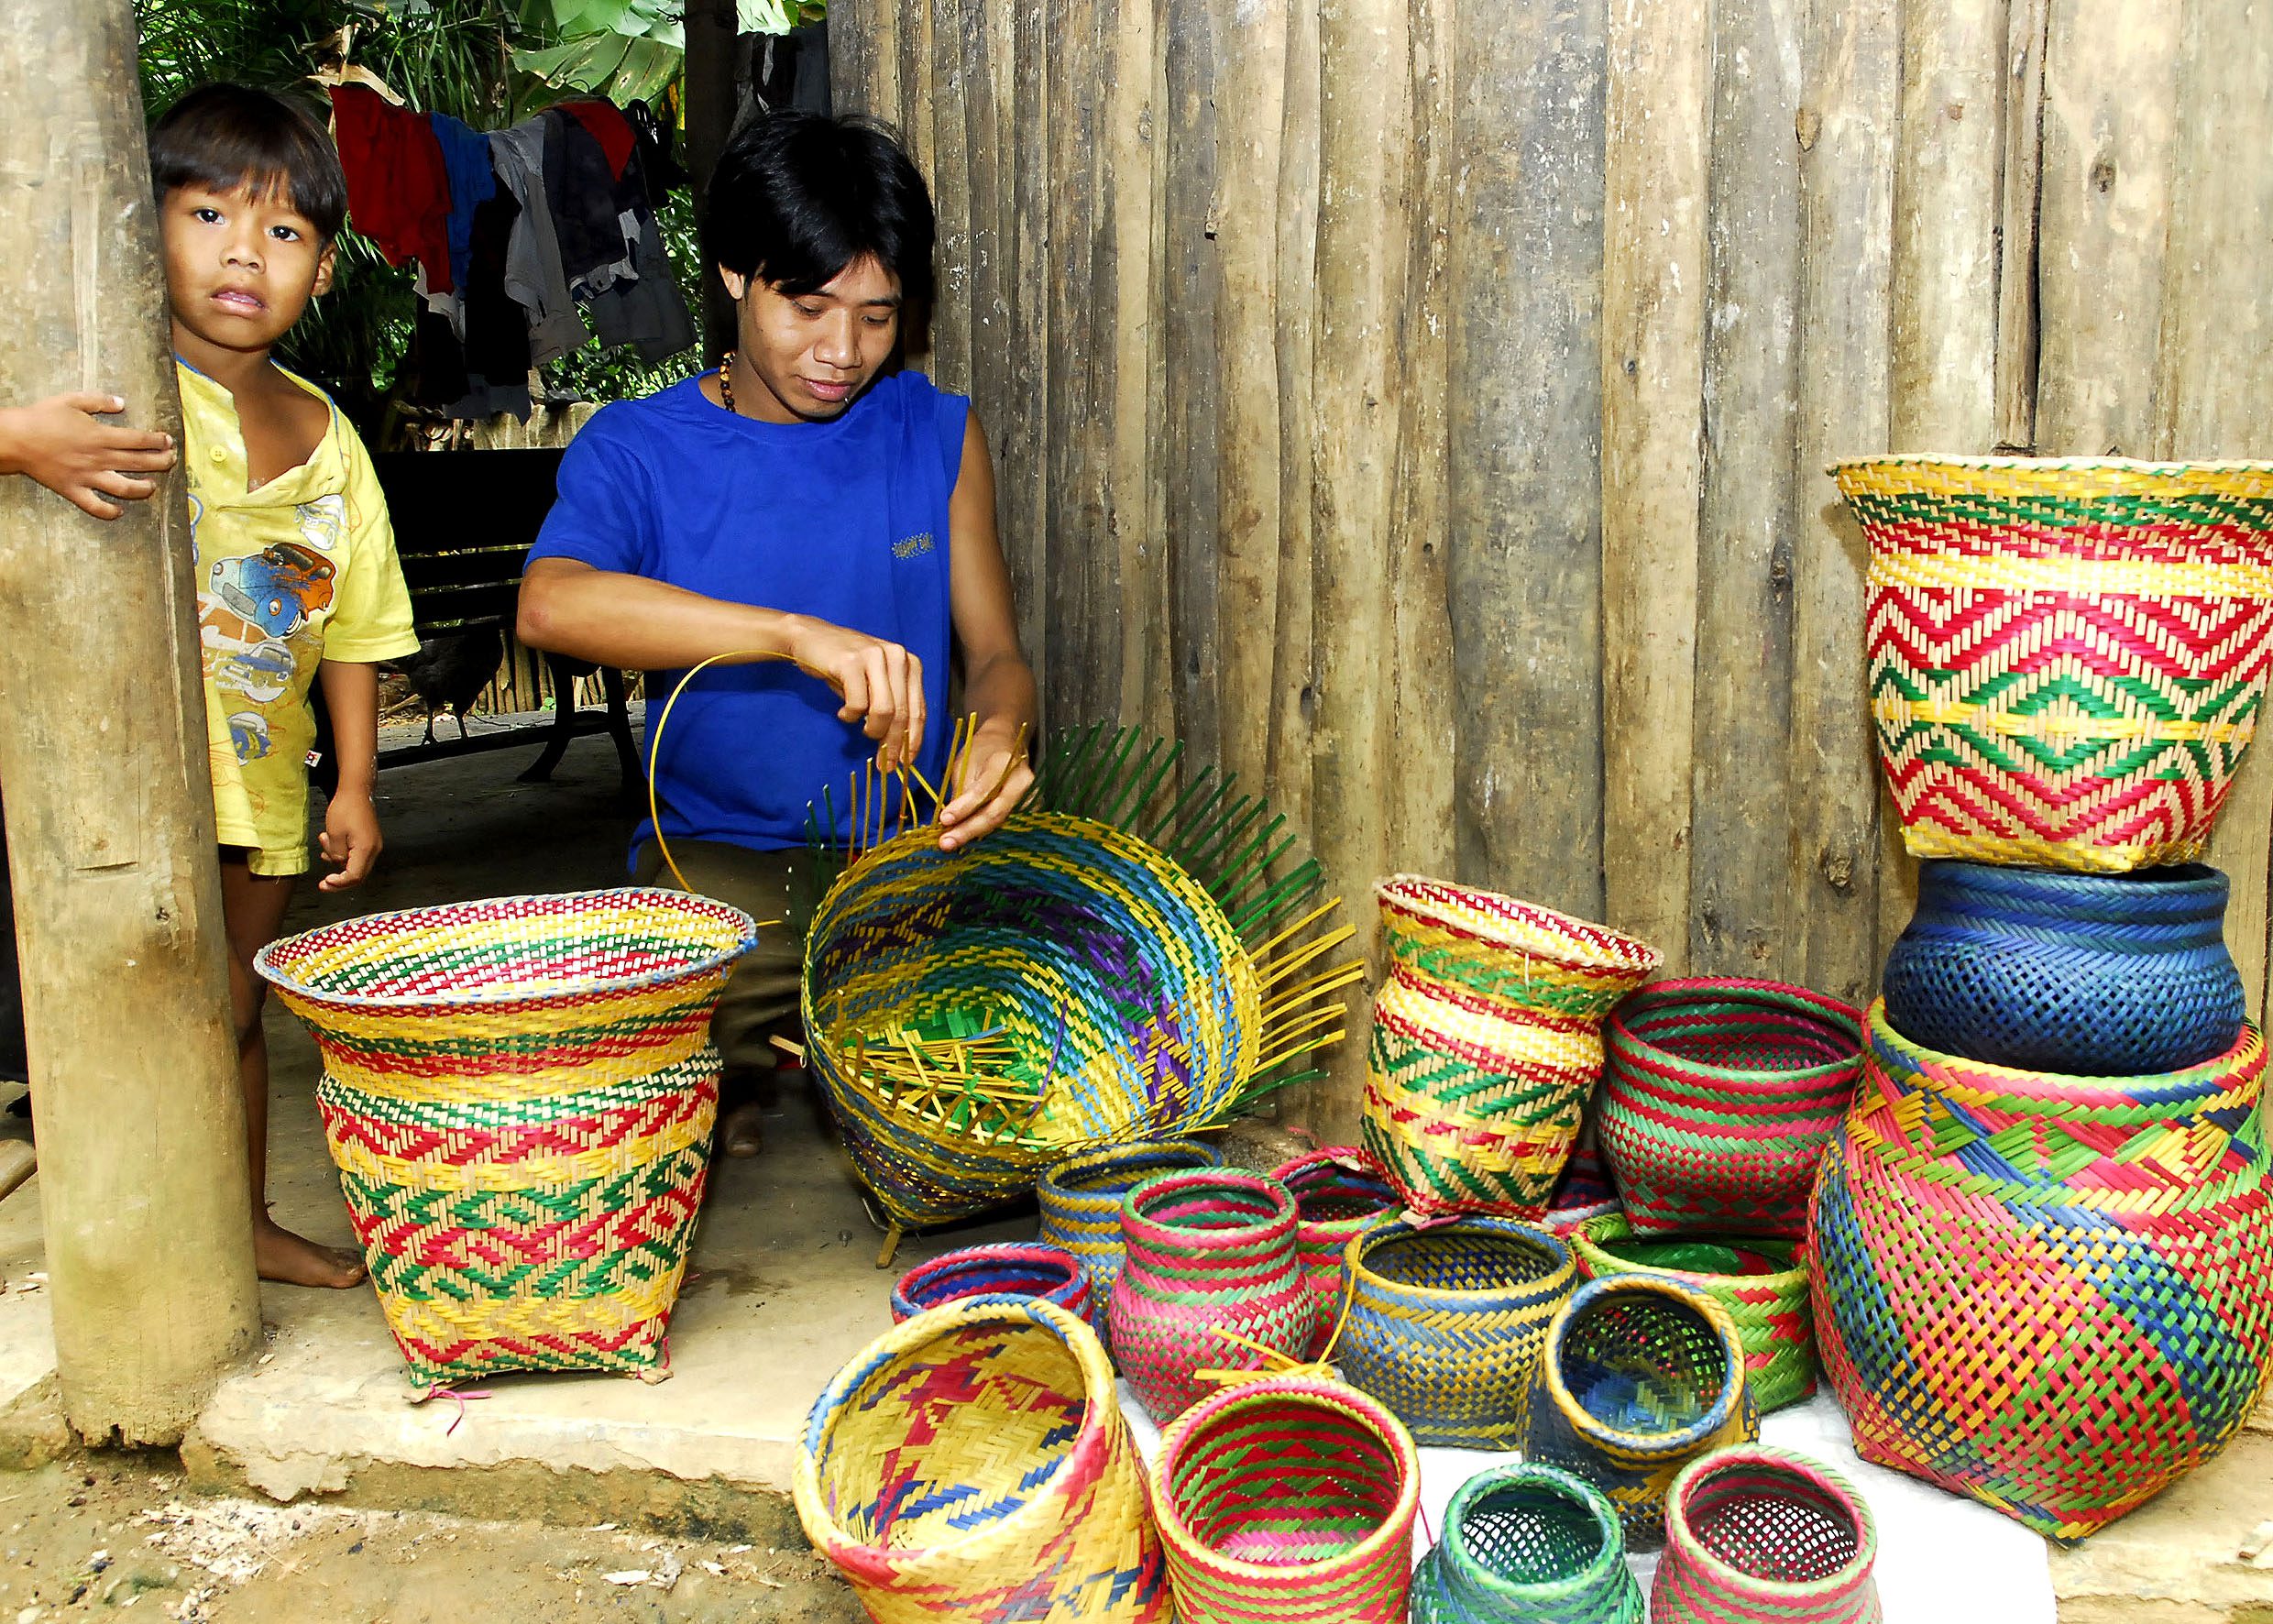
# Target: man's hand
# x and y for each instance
(61, 442)
(994, 777)
(350, 840)
(881, 683)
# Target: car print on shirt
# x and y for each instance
(277, 591)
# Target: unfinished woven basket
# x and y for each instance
(1718, 1098)
(971, 1466)
(1756, 1535)
(2052, 1294)
(1079, 1200)
(1002, 1269)
(1528, 1543)
(1125, 965)
(1338, 1193)
(518, 1094)
(2103, 975)
(1486, 1041)
(2067, 656)
(1760, 1283)
(1445, 1324)
(1288, 1498)
(1640, 1375)
(1211, 1280)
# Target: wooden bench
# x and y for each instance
(464, 521)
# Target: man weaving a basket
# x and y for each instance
(809, 537)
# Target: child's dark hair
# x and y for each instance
(796, 197)
(222, 137)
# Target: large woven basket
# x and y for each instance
(2097, 974)
(1445, 1323)
(518, 1094)
(1080, 1200)
(1487, 1041)
(1527, 1543)
(1125, 965)
(2065, 656)
(972, 1464)
(1761, 1283)
(2052, 1294)
(1338, 1193)
(1286, 1498)
(1757, 1535)
(1001, 1268)
(1718, 1098)
(1640, 1375)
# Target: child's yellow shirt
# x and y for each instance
(300, 570)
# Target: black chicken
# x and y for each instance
(449, 672)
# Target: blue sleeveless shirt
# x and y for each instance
(844, 520)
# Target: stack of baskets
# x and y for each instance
(2059, 1127)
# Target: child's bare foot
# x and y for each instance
(294, 1261)
(741, 1130)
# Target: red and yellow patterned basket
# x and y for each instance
(2067, 656)
(518, 1094)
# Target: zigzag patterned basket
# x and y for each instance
(2067, 656)
(518, 1094)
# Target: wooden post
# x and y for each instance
(110, 819)
(712, 97)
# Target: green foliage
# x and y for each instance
(629, 50)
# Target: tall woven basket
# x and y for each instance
(1339, 1192)
(1756, 1535)
(1528, 1543)
(2052, 1294)
(1122, 963)
(2065, 656)
(1080, 1200)
(971, 1466)
(1718, 1098)
(518, 1094)
(1486, 1041)
(1640, 1376)
(1286, 1498)
(1445, 1324)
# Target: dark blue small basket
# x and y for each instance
(1005, 1269)
(2089, 975)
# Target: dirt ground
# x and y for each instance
(102, 1535)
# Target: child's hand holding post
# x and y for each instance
(63, 442)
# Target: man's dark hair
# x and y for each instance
(222, 137)
(796, 197)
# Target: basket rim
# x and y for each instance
(2065, 1085)
(1397, 1525)
(267, 966)
(1611, 1554)
(1855, 1571)
(1587, 1244)
(2118, 465)
(1381, 1231)
(1137, 1224)
(1830, 1014)
(1101, 1156)
(1043, 1254)
(1645, 1445)
(1099, 1412)
(1578, 944)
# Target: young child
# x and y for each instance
(296, 571)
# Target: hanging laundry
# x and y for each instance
(533, 271)
(398, 187)
(466, 158)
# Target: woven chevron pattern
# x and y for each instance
(1758, 1535)
(1211, 1256)
(1079, 1200)
(2052, 1294)
(1338, 1193)
(1445, 1324)
(1288, 1499)
(972, 1464)
(2067, 658)
(1759, 1283)
(1486, 1041)
(1002, 1269)
(518, 1095)
(1531, 1542)
(1718, 1099)
(1640, 1376)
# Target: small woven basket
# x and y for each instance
(972, 1464)
(2089, 974)
(1640, 1375)
(1286, 1498)
(1756, 1535)
(518, 1094)
(1531, 1543)
(1338, 1192)
(1487, 1041)
(1081, 1199)
(2052, 1294)
(1004, 1268)
(1718, 1098)
(1445, 1324)
(2067, 656)
(1212, 1280)
(1762, 1286)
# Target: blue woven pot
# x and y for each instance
(2090, 975)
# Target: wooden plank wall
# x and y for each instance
(1422, 408)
